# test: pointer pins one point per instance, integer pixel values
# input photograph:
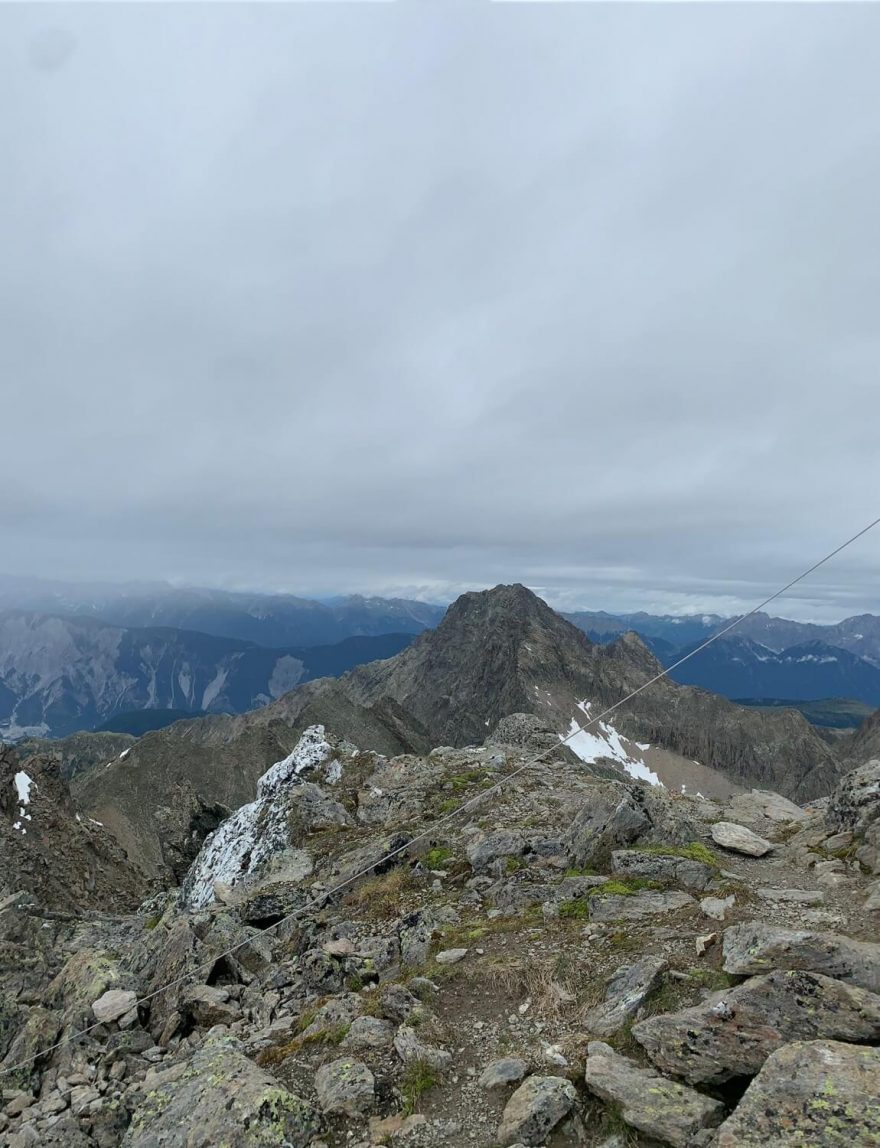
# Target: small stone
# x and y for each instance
(509, 1070)
(411, 1049)
(113, 1004)
(451, 956)
(716, 907)
(729, 835)
(705, 942)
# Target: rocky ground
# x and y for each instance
(573, 960)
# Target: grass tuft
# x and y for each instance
(418, 1078)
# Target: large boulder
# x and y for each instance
(820, 1093)
(661, 1108)
(220, 1097)
(762, 805)
(754, 947)
(855, 808)
(732, 1033)
(535, 1109)
(346, 1087)
(613, 818)
(667, 868)
(636, 906)
(262, 836)
(855, 803)
(625, 994)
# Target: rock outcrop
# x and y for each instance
(349, 964)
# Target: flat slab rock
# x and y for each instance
(645, 903)
(737, 838)
(732, 1033)
(754, 947)
(664, 867)
(820, 1093)
(765, 803)
(534, 1110)
(661, 1108)
(624, 995)
(224, 1095)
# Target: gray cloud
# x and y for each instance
(421, 297)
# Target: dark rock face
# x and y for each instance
(48, 850)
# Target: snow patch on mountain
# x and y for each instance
(604, 741)
(23, 785)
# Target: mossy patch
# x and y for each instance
(695, 851)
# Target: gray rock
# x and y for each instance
(209, 1005)
(485, 851)
(872, 903)
(716, 907)
(411, 1050)
(335, 1013)
(612, 819)
(762, 803)
(450, 956)
(645, 903)
(739, 839)
(649, 1102)
(535, 1109)
(754, 947)
(666, 868)
(733, 1032)
(793, 896)
(369, 1032)
(509, 1070)
(113, 1004)
(855, 803)
(625, 994)
(399, 1004)
(345, 1086)
(817, 1093)
(228, 1099)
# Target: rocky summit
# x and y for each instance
(459, 948)
(495, 653)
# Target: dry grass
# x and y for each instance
(382, 896)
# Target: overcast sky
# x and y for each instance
(422, 297)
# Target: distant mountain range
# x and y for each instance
(79, 656)
(764, 658)
(264, 619)
(61, 674)
(859, 635)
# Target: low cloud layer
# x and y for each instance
(420, 297)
